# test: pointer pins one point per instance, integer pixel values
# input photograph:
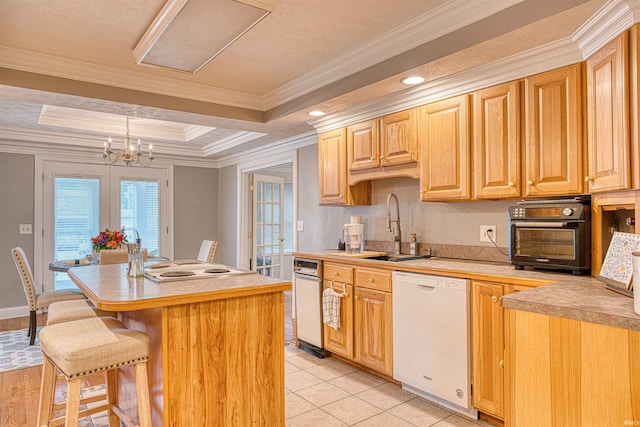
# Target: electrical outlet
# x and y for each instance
(300, 225)
(488, 233)
(25, 229)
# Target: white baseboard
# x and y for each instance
(9, 312)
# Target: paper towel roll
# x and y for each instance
(355, 220)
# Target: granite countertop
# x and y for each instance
(576, 297)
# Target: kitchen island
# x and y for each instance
(217, 344)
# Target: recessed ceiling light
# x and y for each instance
(316, 113)
(413, 80)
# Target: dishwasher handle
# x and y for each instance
(307, 277)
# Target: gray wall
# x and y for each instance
(16, 182)
(454, 223)
(195, 209)
(228, 215)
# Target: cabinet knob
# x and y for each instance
(373, 158)
(588, 178)
(335, 273)
(511, 184)
(357, 297)
(370, 280)
(529, 182)
(501, 364)
(494, 298)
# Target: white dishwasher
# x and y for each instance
(432, 338)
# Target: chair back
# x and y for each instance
(207, 250)
(24, 269)
(118, 256)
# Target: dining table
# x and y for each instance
(216, 343)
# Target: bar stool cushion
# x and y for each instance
(82, 347)
(67, 311)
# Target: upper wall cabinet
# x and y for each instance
(496, 142)
(553, 147)
(608, 117)
(332, 172)
(383, 148)
(445, 150)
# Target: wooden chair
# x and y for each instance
(83, 347)
(207, 250)
(117, 256)
(38, 301)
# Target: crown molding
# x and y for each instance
(450, 17)
(229, 142)
(101, 74)
(268, 151)
(608, 22)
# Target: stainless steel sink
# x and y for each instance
(400, 258)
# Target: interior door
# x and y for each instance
(268, 225)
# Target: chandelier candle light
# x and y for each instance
(131, 155)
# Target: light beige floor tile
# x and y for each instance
(322, 394)
(314, 418)
(300, 379)
(420, 412)
(295, 405)
(291, 350)
(332, 369)
(384, 419)
(351, 410)
(457, 421)
(356, 382)
(306, 361)
(386, 396)
(290, 367)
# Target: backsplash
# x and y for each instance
(475, 253)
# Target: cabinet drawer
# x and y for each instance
(338, 273)
(374, 279)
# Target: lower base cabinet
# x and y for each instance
(365, 332)
(571, 373)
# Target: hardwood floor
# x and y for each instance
(20, 389)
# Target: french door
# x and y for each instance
(81, 200)
(268, 225)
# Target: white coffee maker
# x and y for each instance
(354, 235)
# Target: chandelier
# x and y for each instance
(131, 155)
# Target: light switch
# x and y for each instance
(300, 225)
(25, 229)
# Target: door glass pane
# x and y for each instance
(139, 211)
(76, 221)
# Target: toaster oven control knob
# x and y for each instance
(567, 211)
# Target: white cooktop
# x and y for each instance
(171, 271)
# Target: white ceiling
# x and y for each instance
(332, 55)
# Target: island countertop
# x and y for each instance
(109, 288)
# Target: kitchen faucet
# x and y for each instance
(397, 236)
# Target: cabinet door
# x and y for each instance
(363, 146)
(496, 142)
(340, 341)
(373, 330)
(608, 117)
(332, 168)
(553, 147)
(445, 145)
(488, 348)
(399, 138)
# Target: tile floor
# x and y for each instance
(328, 392)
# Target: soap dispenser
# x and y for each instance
(413, 245)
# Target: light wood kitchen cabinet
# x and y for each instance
(373, 321)
(332, 172)
(571, 373)
(553, 146)
(445, 150)
(496, 141)
(488, 348)
(399, 138)
(340, 341)
(383, 148)
(609, 163)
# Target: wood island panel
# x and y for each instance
(216, 350)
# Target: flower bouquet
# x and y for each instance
(108, 239)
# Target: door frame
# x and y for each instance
(244, 169)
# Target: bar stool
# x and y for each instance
(83, 347)
(67, 311)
